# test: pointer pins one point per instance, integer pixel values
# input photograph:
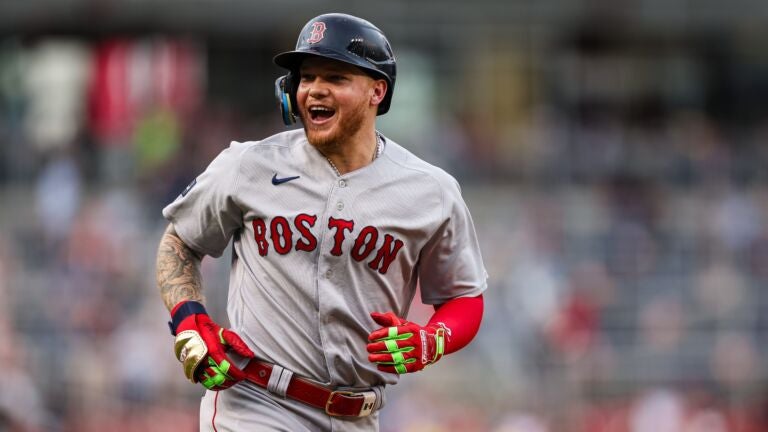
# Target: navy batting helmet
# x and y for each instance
(339, 37)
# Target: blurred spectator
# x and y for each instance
(21, 404)
(54, 83)
(658, 410)
(58, 194)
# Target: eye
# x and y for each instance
(338, 78)
(305, 77)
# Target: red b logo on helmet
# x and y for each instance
(318, 32)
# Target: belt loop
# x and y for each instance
(285, 380)
(279, 380)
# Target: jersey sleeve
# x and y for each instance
(451, 264)
(206, 214)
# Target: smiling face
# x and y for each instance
(337, 102)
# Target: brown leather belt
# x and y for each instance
(333, 402)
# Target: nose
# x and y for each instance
(314, 87)
(317, 89)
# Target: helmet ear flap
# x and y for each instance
(285, 93)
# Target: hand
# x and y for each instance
(401, 346)
(201, 347)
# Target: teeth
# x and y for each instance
(319, 108)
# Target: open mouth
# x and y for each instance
(320, 114)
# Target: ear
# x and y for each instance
(378, 91)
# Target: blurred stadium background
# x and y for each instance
(613, 154)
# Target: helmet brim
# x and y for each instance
(291, 60)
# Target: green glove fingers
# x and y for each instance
(210, 382)
(220, 374)
(391, 345)
(404, 347)
(395, 335)
(398, 359)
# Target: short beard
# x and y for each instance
(347, 128)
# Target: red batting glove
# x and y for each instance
(401, 346)
(201, 347)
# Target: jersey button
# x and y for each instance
(342, 183)
(339, 206)
(328, 273)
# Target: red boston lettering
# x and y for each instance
(282, 238)
(303, 223)
(386, 254)
(365, 243)
(281, 232)
(340, 225)
(260, 235)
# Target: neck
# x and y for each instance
(353, 154)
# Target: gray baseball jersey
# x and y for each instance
(314, 253)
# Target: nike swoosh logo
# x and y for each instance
(276, 181)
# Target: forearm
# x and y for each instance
(178, 270)
(462, 317)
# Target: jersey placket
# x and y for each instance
(337, 229)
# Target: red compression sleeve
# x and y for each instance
(462, 316)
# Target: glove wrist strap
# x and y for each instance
(439, 334)
(439, 344)
(186, 309)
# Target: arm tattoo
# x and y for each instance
(178, 270)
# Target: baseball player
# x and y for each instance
(333, 228)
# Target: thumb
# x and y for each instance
(233, 341)
(387, 319)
